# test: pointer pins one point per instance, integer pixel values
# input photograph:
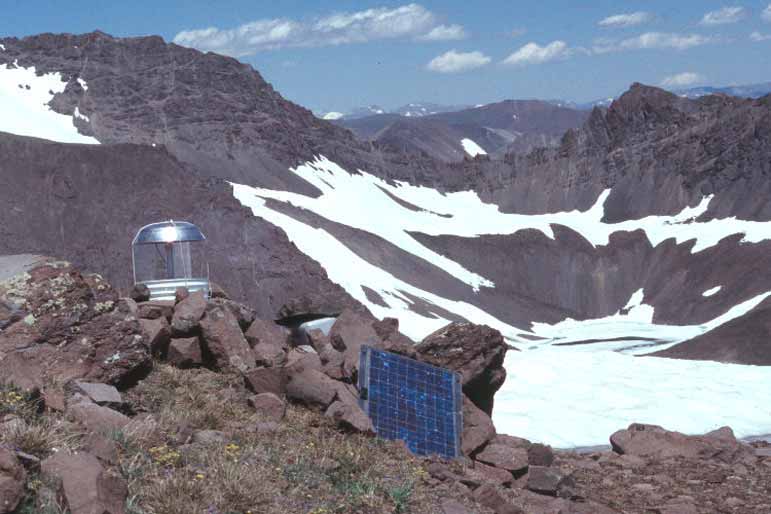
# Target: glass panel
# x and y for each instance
(162, 261)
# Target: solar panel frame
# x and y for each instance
(416, 402)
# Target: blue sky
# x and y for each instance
(336, 56)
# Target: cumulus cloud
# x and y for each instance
(626, 20)
(687, 78)
(533, 53)
(723, 16)
(444, 33)
(456, 62)
(652, 40)
(759, 36)
(412, 21)
(766, 14)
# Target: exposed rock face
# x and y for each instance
(185, 352)
(474, 351)
(73, 327)
(478, 428)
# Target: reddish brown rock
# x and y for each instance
(94, 417)
(140, 293)
(188, 314)
(156, 309)
(550, 481)
(476, 352)
(351, 331)
(269, 342)
(504, 457)
(540, 455)
(185, 353)
(12, 480)
(350, 417)
(491, 474)
(478, 428)
(157, 333)
(223, 341)
(100, 394)
(72, 330)
(310, 387)
(332, 361)
(85, 486)
(180, 294)
(266, 380)
(488, 495)
(268, 405)
(651, 441)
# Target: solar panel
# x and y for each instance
(412, 401)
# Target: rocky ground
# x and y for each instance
(124, 406)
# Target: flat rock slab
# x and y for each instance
(86, 487)
(101, 394)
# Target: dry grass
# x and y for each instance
(305, 466)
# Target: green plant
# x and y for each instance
(401, 495)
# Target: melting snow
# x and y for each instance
(560, 395)
(333, 115)
(472, 148)
(710, 292)
(24, 106)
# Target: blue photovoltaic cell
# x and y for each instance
(412, 401)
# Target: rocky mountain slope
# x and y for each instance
(645, 227)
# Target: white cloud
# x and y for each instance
(652, 40)
(766, 14)
(533, 53)
(758, 36)
(456, 62)
(687, 78)
(626, 20)
(411, 21)
(444, 33)
(723, 16)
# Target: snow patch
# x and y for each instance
(78, 114)
(83, 83)
(472, 148)
(712, 291)
(333, 115)
(24, 99)
(567, 397)
(2, 48)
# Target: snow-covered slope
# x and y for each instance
(472, 148)
(600, 354)
(24, 98)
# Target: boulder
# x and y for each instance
(157, 309)
(140, 293)
(157, 334)
(550, 481)
(185, 353)
(188, 314)
(268, 342)
(540, 455)
(268, 406)
(351, 331)
(85, 486)
(488, 495)
(102, 447)
(332, 361)
(100, 394)
(478, 428)
(487, 473)
(474, 351)
(180, 294)
(12, 481)
(504, 457)
(245, 315)
(95, 418)
(350, 417)
(654, 442)
(266, 380)
(222, 340)
(454, 507)
(310, 305)
(310, 387)
(72, 330)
